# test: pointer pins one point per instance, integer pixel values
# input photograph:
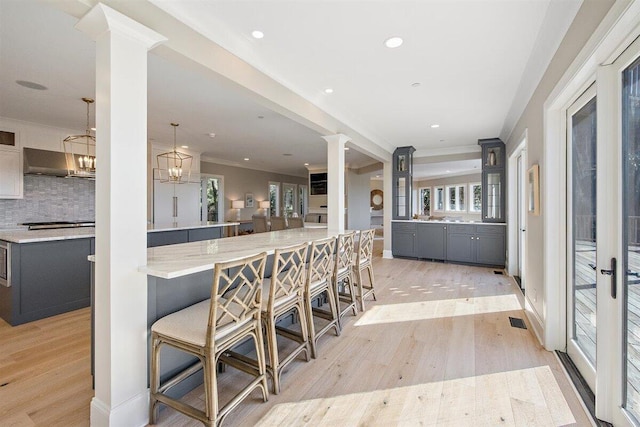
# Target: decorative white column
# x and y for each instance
(387, 183)
(121, 393)
(335, 181)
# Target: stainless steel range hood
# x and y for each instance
(44, 162)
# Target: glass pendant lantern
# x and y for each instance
(174, 166)
(80, 151)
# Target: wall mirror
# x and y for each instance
(376, 199)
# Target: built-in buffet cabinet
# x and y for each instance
(469, 243)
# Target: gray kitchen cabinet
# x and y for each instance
(209, 233)
(490, 246)
(162, 238)
(47, 278)
(460, 247)
(476, 244)
(403, 239)
(431, 242)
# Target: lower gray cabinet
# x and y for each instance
(209, 233)
(403, 239)
(162, 238)
(431, 242)
(464, 243)
(490, 248)
(476, 244)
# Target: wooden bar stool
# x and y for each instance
(285, 291)
(343, 275)
(319, 271)
(364, 257)
(208, 329)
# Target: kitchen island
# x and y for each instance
(48, 273)
(181, 275)
(464, 242)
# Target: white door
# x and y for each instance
(618, 249)
(521, 198)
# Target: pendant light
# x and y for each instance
(80, 151)
(174, 166)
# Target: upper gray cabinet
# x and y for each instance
(493, 179)
(402, 182)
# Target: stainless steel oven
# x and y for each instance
(5, 264)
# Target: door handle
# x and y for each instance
(612, 273)
(633, 273)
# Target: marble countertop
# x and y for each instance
(173, 261)
(422, 221)
(152, 228)
(22, 235)
(31, 236)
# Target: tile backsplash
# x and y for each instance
(49, 198)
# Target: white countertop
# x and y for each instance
(152, 228)
(420, 221)
(22, 235)
(173, 261)
(32, 236)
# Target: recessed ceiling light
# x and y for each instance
(328, 90)
(257, 34)
(435, 126)
(416, 84)
(184, 146)
(378, 176)
(31, 85)
(448, 171)
(306, 164)
(212, 135)
(246, 159)
(393, 42)
(261, 117)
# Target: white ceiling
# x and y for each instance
(473, 59)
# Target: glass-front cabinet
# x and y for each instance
(493, 179)
(402, 182)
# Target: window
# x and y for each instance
(425, 201)
(438, 199)
(274, 198)
(211, 198)
(456, 198)
(475, 191)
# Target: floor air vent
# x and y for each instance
(498, 272)
(517, 323)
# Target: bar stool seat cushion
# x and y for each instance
(190, 324)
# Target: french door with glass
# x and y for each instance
(603, 238)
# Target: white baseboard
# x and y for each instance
(133, 412)
(534, 320)
(387, 254)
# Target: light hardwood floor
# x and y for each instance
(435, 349)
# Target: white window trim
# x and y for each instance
(434, 203)
(448, 199)
(419, 204)
(470, 203)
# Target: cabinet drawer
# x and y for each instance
(406, 227)
(496, 230)
(461, 228)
